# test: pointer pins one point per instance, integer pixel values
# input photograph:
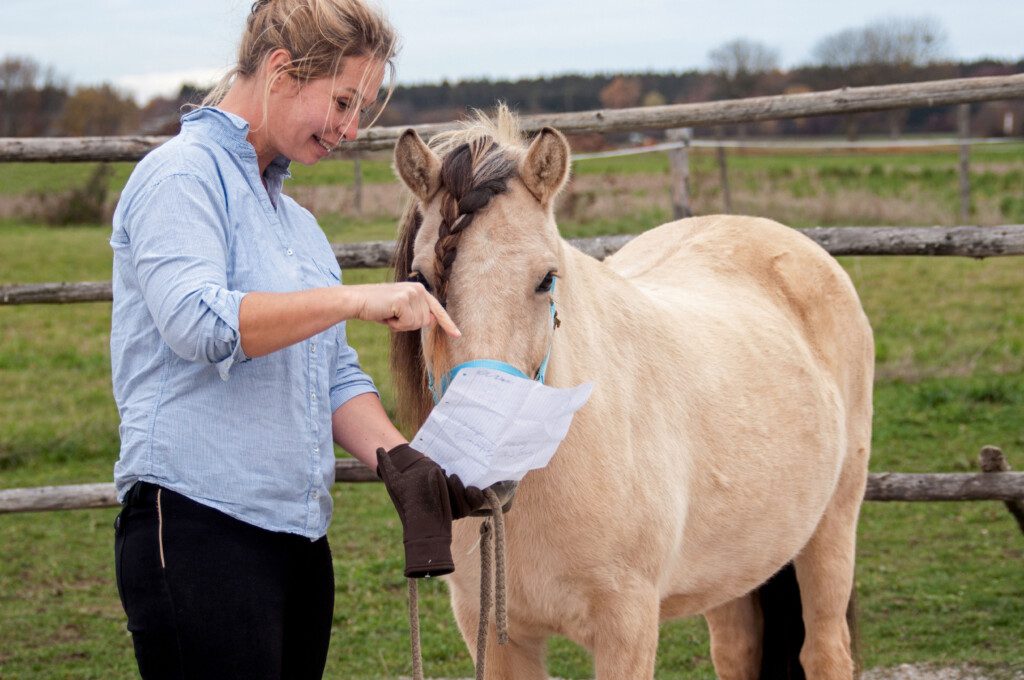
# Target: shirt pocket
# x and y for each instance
(328, 269)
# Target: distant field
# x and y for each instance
(801, 189)
(937, 582)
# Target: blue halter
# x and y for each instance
(493, 364)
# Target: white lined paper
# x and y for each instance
(491, 426)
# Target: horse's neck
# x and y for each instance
(599, 311)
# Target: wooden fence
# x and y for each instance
(976, 242)
(833, 102)
(997, 484)
(683, 141)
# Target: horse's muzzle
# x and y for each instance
(506, 492)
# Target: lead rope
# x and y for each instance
(414, 630)
(487, 533)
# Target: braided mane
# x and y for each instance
(477, 160)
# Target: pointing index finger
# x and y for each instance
(442, 317)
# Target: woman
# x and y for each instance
(231, 368)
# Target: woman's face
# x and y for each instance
(307, 121)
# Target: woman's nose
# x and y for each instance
(349, 127)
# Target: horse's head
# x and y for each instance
(481, 236)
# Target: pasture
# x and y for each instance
(940, 583)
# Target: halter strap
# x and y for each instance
(494, 364)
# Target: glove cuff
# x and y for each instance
(403, 456)
(428, 557)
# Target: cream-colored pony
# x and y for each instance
(727, 435)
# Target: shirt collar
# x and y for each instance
(231, 131)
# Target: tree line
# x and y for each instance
(34, 101)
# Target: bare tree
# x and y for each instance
(31, 98)
(18, 94)
(883, 51)
(893, 42)
(742, 58)
(741, 65)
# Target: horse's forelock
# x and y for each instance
(503, 128)
(471, 175)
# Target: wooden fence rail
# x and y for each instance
(842, 101)
(883, 486)
(977, 242)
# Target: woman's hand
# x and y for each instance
(403, 306)
(270, 321)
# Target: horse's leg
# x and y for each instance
(522, 657)
(824, 570)
(736, 628)
(625, 634)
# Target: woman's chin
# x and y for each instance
(309, 157)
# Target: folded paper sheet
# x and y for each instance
(491, 426)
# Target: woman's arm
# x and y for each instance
(268, 322)
(361, 425)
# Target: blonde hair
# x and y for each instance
(319, 35)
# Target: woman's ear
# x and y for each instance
(546, 166)
(417, 166)
(275, 65)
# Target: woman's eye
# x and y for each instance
(343, 105)
(417, 277)
(546, 283)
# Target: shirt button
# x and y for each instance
(290, 252)
(312, 395)
(312, 347)
(316, 449)
(316, 494)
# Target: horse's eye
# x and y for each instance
(546, 283)
(417, 277)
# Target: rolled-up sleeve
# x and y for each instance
(349, 378)
(177, 233)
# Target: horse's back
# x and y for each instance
(736, 257)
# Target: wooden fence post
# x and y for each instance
(357, 184)
(963, 117)
(679, 165)
(992, 459)
(723, 174)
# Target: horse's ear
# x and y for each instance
(546, 166)
(417, 165)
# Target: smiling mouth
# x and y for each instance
(322, 143)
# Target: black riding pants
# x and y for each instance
(209, 596)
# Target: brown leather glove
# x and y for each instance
(425, 499)
(465, 500)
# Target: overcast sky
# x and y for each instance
(151, 46)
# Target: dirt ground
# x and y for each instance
(921, 672)
(929, 672)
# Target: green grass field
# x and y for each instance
(939, 583)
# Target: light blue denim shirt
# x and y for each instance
(194, 230)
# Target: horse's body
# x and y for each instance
(727, 435)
